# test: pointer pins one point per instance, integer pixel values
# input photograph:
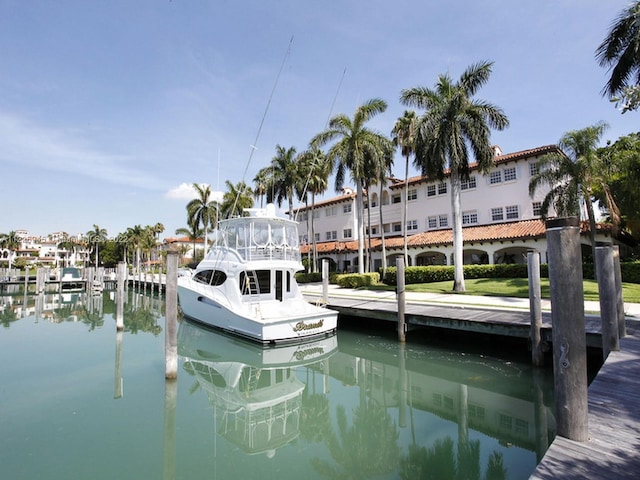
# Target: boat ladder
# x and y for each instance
(252, 289)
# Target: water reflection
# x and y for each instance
(257, 398)
(356, 405)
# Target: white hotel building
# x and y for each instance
(501, 222)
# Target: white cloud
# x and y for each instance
(185, 191)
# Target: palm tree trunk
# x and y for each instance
(313, 233)
(359, 225)
(384, 250)
(369, 231)
(406, 201)
(592, 229)
(458, 243)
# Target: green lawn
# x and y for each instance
(514, 287)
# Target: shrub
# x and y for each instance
(355, 280)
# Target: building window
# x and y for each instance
(497, 214)
(513, 212)
(495, 177)
(533, 168)
(397, 198)
(443, 221)
(470, 218)
(468, 184)
(510, 174)
(442, 188)
(432, 222)
(373, 230)
(412, 194)
(316, 214)
(304, 216)
(331, 211)
(346, 233)
(431, 190)
(317, 237)
(346, 208)
(332, 235)
(537, 209)
(412, 225)
(397, 227)
(386, 227)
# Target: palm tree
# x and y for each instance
(403, 136)
(454, 122)
(315, 170)
(354, 142)
(235, 199)
(572, 175)
(285, 178)
(96, 236)
(11, 242)
(203, 210)
(135, 237)
(261, 183)
(620, 52)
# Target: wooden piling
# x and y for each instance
(171, 317)
(401, 298)
(325, 281)
(608, 300)
(622, 326)
(120, 285)
(568, 332)
(535, 308)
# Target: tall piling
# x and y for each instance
(325, 281)
(402, 329)
(535, 308)
(622, 326)
(568, 328)
(120, 281)
(608, 300)
(171, 317)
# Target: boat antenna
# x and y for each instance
(326, 124)
(264, 115)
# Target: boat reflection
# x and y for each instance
(256, 395)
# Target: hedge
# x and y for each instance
(630, 272)
(355, 280)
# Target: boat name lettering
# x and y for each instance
(300, 326)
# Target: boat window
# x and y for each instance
(210, 277)
(260, 233)
(248, 282)
(277, 234)
(292, 235)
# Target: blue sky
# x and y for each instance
(109, 108)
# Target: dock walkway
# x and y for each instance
(613, 448)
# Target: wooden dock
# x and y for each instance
(613, 448)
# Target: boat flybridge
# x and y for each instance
(246, 283)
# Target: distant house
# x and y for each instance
(185, 247)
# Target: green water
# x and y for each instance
(78, 400)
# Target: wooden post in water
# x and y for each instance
(569, 338)
(120, 281)
(608, 300)
(401, 298)
(26, 280)
(622, 326)
(171, 317)
(325, 281)
(535, 308)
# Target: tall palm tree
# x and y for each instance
(620, 52)
(261, 184)
(315, 170)
(403, 137)
(135, 238)
(95, 237)
(11, 242)
(455, 122)
(235, 199)
(572, 175)
(354, 141)
(285, 177)
(203, 210)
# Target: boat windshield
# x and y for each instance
(257, 238)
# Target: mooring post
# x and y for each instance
(120, 280)
(171, 317)
(568, 328)
(608, 300)
(535, 308)
(26, 279)
(401, 298)
(325, 281)
(622, 326)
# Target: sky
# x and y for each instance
(111, 109)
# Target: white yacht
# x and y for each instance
(246, 283)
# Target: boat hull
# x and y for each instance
(267, 322)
